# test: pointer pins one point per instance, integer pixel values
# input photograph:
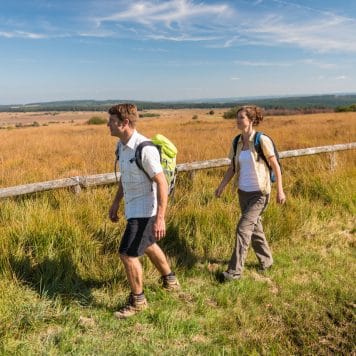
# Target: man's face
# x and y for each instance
(115, 125)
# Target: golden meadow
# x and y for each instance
(61, 278)
(68, 147)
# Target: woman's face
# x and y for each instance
(243, 121)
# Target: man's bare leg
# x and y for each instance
(158, 258)
(133, 270)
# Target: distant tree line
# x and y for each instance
(275, 106)
(231, 113)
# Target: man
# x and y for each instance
(145, 207)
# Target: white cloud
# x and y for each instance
(172, 20)
(319, 64)
(98, 34)
(279, 23)
(22, 34)
(308, 61)
(228, 43)
(264, 63)
(147, 12)
(181, 38)
(151, 49)
(220, 24)
(235, 78)
(328, 32)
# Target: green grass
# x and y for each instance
(59, 265)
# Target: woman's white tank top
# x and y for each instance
(248, 181)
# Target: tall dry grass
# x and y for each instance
(59, 261)
(62, 150)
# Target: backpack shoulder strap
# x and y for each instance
(117, 156)
(138, 154)
(117, 151)
(234, 145)
(258, 147)
(257, 138)
(257, 143)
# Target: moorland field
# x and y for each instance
(61, 279)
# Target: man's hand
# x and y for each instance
(115, 205)
(159, 228)
(113, 212)
(281, 197)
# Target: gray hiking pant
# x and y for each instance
(249, 228)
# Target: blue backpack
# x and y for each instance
(259, 151)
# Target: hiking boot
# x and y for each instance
(227, 276)
(135, 304)
(170, 282)
(265, 268)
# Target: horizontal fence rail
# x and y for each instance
(76, 183)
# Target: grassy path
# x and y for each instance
(61, 279)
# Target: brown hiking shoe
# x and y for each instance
(227, 276)
(170, 282)
(134, 305)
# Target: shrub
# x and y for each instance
(211, 112)
(195, 117)
(231, 114)
(149, 114)
(97, 120)
(35, 124)
(349, 108)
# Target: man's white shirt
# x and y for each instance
(140, 193)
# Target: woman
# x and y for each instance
(254, 187)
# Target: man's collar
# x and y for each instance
(131, 142)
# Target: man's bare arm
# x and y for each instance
(159, 227)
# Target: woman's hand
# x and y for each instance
(227, 177)
(113, 212)
(219, 191)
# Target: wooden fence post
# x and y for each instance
(333, 161)
(191, 175)
(76, 189)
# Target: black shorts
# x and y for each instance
(137, 237)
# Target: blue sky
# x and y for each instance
(174, 49)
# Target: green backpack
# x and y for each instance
(168, 154)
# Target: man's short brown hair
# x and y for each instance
(125, 111)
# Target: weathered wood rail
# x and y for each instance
(77, 183)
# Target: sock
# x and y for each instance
(170, 275)
(139, 296)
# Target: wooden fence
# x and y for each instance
(77, 183)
